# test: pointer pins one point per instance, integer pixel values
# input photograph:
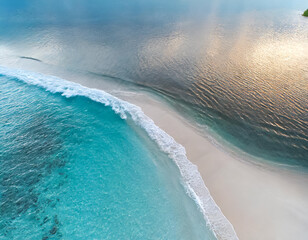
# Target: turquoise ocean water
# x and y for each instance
(236, 67)
(79, 163)
(73, 167)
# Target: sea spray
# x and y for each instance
(194, 184)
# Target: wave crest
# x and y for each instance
(195, 186)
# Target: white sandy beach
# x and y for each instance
(261, 202)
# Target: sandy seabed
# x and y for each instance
(262, 202)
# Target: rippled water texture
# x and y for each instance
(239, 66)
(71, 168)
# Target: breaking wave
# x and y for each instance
(194, 184)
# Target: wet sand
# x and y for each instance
(262, 202)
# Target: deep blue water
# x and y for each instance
(72, 168)
(238, 68)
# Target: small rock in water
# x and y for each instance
(46, 219)
(53, 230)
(56, 219)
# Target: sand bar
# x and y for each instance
(262, 203)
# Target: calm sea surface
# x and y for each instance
(240, 67)
(72, 168)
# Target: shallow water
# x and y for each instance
(72, 168)
(239, 67)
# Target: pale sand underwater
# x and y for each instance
(261, 201)
(222, 84)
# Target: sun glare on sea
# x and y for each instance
(279, 54)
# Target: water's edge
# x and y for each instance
(195, 186)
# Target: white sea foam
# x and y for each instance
(195, 186)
